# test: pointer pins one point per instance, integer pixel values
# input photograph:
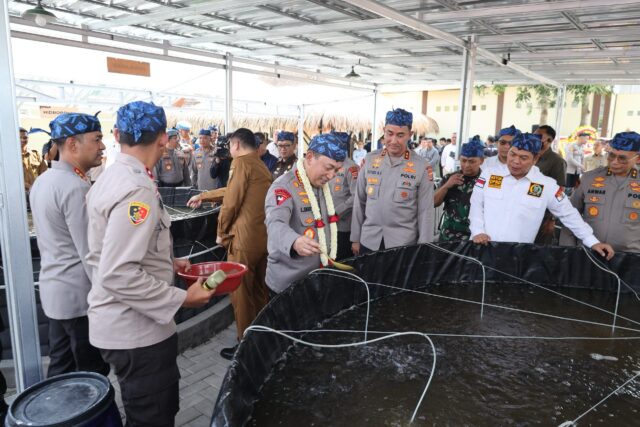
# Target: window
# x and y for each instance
(455, 108)
(438, 108)
(483, 107)
(629, 113)
(473, 108)
(446, 108)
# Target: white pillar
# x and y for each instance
(301, 147)
(374, 127)
(466, 92)
(228, 100)
(562, 94)
(16, 250)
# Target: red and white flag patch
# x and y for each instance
(281, 196)
(354, 171)
(480, 182)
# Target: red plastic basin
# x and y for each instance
(203, 270)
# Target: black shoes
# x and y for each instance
(227, 353)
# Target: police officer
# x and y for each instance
(201, 165)
(343, 190)
(60, 218)
(286, 145)
(32, 163)
(394, 197)
(505, 136)
(609, 197)
(172, 170)
(508, 205)
(132, 302)
(301, 216)
(455, 192)
(184, 141)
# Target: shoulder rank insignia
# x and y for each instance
(495, 181)
(535, 189)
(281, 195)
(138, 212)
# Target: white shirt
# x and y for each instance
(271, 147)
(447, 161)
(358, 156)
(511, 210)
(493, 163)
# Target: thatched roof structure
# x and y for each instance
(315, 122)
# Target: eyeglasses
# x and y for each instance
(283, 146)
(621, 158)
(503, 142)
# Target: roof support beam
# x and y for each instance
(421, 27)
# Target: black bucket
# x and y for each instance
(78, 399)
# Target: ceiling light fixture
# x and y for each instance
(352, 74)
(39, 14)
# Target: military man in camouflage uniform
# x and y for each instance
(609, 197)
(286, 145)
(455, 192)
(343, 189)
(172, 170)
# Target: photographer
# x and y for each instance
(221, 162)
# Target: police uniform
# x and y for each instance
(60, 218)
(511, 210)
(611, 204)
(289, 215)
(32, 166)
(172, 170)
(343, 190)
(133, 302)
(393, 205)
(201, 169)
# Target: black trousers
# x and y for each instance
(148, 378)
(365, 250)
(166, 184)
(70, 349)
(344, 245)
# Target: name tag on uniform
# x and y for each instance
(535, 189)
(495, 181)
(305, 209)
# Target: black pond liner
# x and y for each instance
(188, 226)
(318, 297)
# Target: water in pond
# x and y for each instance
(477, 381)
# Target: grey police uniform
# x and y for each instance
(172, 170)
(343, 190)
(60, 218)
(289, 216)
(200, 170)
(611, 206)
(394, 201)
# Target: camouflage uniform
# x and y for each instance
(457, 203)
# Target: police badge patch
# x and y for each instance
(535, 190)
(281, 195)
(138, 212)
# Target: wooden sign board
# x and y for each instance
(48, 112)
(126, 66)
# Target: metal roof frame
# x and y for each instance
(397, 42)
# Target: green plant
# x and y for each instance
(499, 89)
(582, 94)
(481, 90)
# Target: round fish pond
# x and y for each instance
(532, 344)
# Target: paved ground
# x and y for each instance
(202, 370)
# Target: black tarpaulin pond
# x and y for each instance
(542, 353)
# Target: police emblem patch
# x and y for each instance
(594, 199)
(495, 181)
(138, 212)
(535, 189)
(281, 196)
(633, 216)
(593, 211)
(636, 204)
